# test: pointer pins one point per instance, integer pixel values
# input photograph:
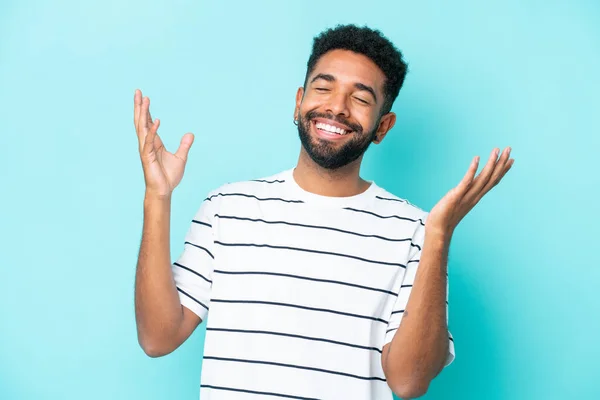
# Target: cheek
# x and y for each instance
(310, 104)
(367, 119)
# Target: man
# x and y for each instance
(308, 273)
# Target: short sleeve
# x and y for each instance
(193, 270)
(406, 288)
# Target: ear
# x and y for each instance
(385, 124)
(299, 96)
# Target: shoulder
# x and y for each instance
(248, 188)
(393, 204)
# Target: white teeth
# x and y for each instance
(331, 128)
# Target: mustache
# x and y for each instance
(314, 114)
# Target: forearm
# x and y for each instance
(157, 306)
(420, 345)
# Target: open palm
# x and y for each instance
(460, 200)
(162, 170)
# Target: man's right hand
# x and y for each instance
(162, 170)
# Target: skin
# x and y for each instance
(341, 98)
(163, 324)
(420, 346)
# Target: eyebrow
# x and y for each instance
(357, 85)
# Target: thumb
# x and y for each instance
(184, 146)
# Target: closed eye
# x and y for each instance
(361, 100)
(320, 89)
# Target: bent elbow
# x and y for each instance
(410, 390)
(153, 349)
(154, 353)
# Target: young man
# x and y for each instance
(308, 273)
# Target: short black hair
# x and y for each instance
(369, 42)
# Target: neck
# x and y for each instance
(342, 182)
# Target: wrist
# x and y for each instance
(439, 235)
(154, 199)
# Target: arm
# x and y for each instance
(163, 324)
(419, 347)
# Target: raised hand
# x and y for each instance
(452, 208)
(162, 170)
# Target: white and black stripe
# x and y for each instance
(303, 290)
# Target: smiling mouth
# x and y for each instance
(330, 129)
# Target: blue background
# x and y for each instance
(524, 275)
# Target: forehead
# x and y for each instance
(349, 67)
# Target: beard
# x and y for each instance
(325, 153)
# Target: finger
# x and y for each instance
(142, 128)
(485, 174)
(158, 143)
(150, 121)
(150, 137)
(137, 106)
(509, 165)
(143, 118)
(498, 171)
(493, 182)
(184, 146)
(468, 178)
(148, 116)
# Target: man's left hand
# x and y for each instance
(451, 209)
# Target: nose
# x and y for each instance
(338, 105)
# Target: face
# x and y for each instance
(339, 110)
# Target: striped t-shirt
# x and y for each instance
(300, 292)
